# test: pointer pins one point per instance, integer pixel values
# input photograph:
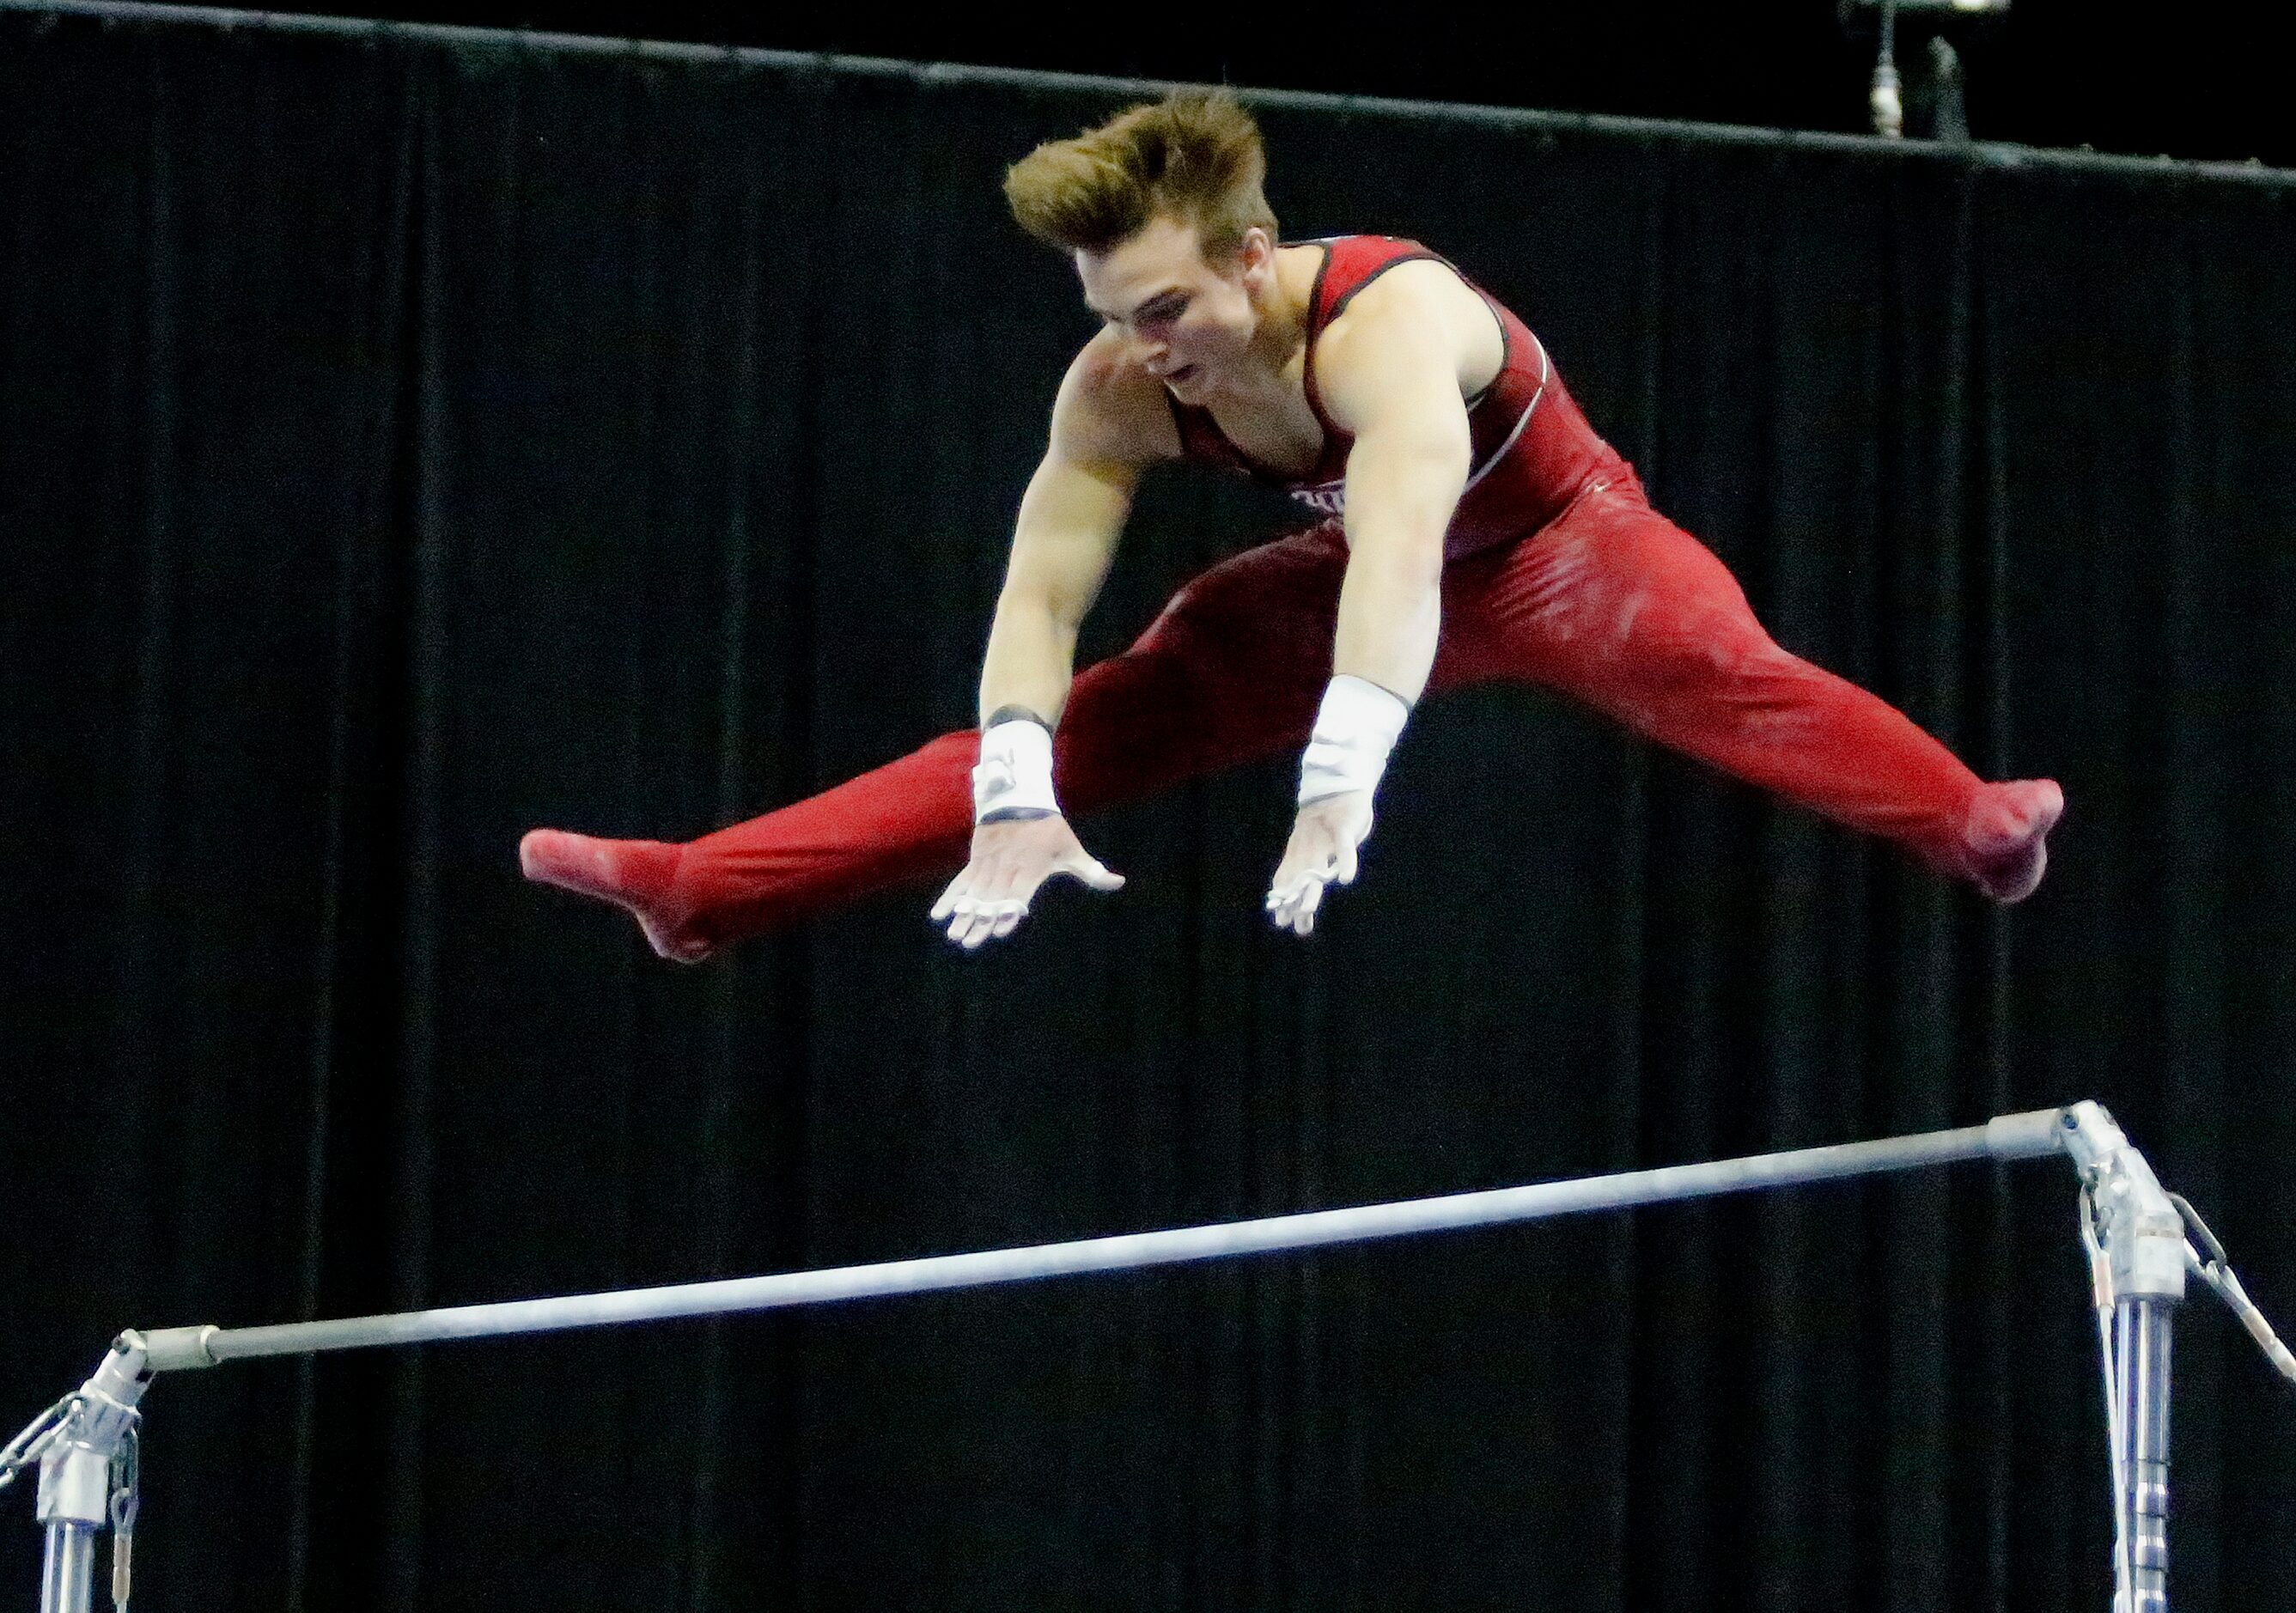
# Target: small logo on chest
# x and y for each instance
(1328, 498)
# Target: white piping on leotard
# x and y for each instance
(1492, 462)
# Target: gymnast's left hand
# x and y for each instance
(1322, 852)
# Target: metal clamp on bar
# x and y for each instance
(2136, 1222)
(95, 1440)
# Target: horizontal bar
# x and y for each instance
(1982, 153)
(2011, 1137)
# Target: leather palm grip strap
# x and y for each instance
(1355, 727)
(1014, 776)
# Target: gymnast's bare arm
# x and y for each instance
(1110, 423)
(1394, 370)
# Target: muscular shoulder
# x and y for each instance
(1113, 413)
(1418, 318)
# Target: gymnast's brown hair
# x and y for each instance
(1194, 157)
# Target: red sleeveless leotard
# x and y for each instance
(1533, 449)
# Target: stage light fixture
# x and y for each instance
(1886, 97)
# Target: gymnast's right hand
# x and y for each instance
(1011, 859)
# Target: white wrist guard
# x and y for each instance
(1014, 777)
(1355, 729)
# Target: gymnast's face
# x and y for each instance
(1187, 321)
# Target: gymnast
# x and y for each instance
(1470, 525)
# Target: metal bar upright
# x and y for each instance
(2141, 1340)
(2140, 1251)
(68, 1570)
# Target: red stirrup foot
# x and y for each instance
(639, 877)
(2006, 836)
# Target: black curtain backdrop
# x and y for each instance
(403, 443)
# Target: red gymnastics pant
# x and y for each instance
(1610, 604)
